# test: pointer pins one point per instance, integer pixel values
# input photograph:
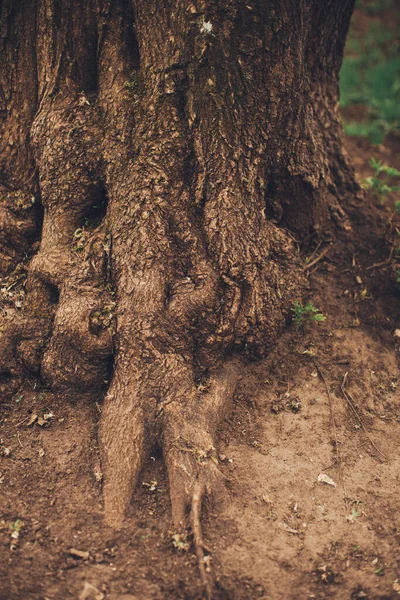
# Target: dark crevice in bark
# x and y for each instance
(190, 168)
(53, 293)
(295, 192)
(109, 370)
(39, 217)
(157, 452)
(96, 211)
(273, 207)
(5, 377)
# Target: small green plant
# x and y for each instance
(306, 312)
(132, 84)
(354, 515)
(16, 526)
(15, 529)
(379, 182)
(180, 542)
(79, 239)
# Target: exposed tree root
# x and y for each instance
(125, 441)
(186, 426)
(204, 570)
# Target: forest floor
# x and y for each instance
(311, 456)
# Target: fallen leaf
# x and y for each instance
(48, 416)
(90, 592)
(287, 528)
(152, 485)
(32, 420)
(323, 478)
(98, 475)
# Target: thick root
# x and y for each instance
(124, 446)
(189, 461)
(205, 571)
(188, 429)
(193, 477)
(188, 424)
(188, 440)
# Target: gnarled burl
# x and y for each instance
(158, 159)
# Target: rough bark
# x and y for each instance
(157, 160)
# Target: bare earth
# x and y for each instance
(326, 403)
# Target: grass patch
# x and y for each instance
(370, 75)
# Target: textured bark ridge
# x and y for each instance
(156, 159)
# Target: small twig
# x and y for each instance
(384, 263)
(331, 415)
(197, 499)
(10, 287)
(350, 401)
(391, 222)
(310, 258)
(319, 257)
(19, 441)
(23, 421)
(338, 459)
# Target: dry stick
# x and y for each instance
(351, 403)
(316, 260)
(198, 537)
(385, 262)
(391, 223)
(338, 459)
(310, 258)
(23, 421)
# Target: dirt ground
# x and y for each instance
(311, 458)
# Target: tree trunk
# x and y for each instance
(158, 161)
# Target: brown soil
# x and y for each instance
(325, 402)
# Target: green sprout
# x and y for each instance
(132, 84)
(306, 312)
(379, 182)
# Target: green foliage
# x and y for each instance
(180, 542)
(132, 84)
(307, 312)
(79, 237)
(17, 525)
(370, 77)
(374, 6)
(379, 182)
